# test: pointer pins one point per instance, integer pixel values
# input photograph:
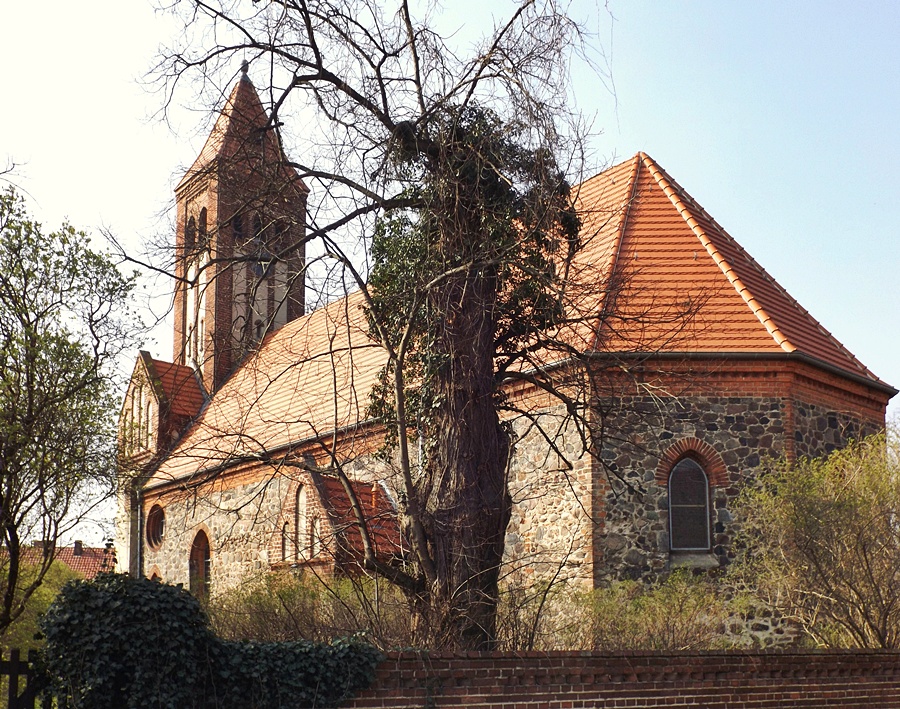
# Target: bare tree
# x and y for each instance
(442, 191)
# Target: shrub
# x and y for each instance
(122, 643)
(285, 606)
(821, 543)
(680, 613)
(119, 642)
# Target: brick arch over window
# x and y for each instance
(702, 452)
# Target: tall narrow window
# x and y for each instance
(198, 566)
(300, 524)
(285, 535)
(139, 417)
(148, 402)
(190, 235)
(688, 507)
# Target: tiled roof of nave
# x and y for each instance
(687, 287)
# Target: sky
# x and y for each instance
(780, 118)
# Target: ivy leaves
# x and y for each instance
(118, 642)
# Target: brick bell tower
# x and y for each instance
(239, 241)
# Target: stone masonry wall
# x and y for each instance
(550, 529)
(819, 430)
(635, 541)
(573, 519)
(240, 522)
(742, 430)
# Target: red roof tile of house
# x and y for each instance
(85, 561)
(89, 562)
(658, 274)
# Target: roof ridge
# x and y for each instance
(624, 211)
(675, 196)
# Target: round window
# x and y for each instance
(156, 526)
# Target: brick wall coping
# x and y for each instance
(423, 655)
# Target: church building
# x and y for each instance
(701, 368)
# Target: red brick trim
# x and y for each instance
(707, 456)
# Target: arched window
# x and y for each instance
(190, 235)
(688, 507)
(300, 524)
(237, 228)
(201, 227)
(198, 566)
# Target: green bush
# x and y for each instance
(118, 642)
(122, 643)
(821, 544)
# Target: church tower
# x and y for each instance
(239, 241)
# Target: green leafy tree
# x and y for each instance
(24, 633)
(63, 321)
(822, 544)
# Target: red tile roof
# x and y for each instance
(658, 275)
(178, 383)
(309, 377)
(670, 251)
(88, 562)
(377, 509)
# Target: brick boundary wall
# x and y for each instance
(868, 679)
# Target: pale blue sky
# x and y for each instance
(778, 117)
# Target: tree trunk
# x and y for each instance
(466, 502)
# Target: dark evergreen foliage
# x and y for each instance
(118, 642)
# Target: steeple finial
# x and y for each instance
(245, 66)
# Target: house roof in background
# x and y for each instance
(83, 560)
(89, 562)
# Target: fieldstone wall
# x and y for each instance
(574, 520)
(551, 528)
(240, 521)
(819, 430)
(634, 543)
